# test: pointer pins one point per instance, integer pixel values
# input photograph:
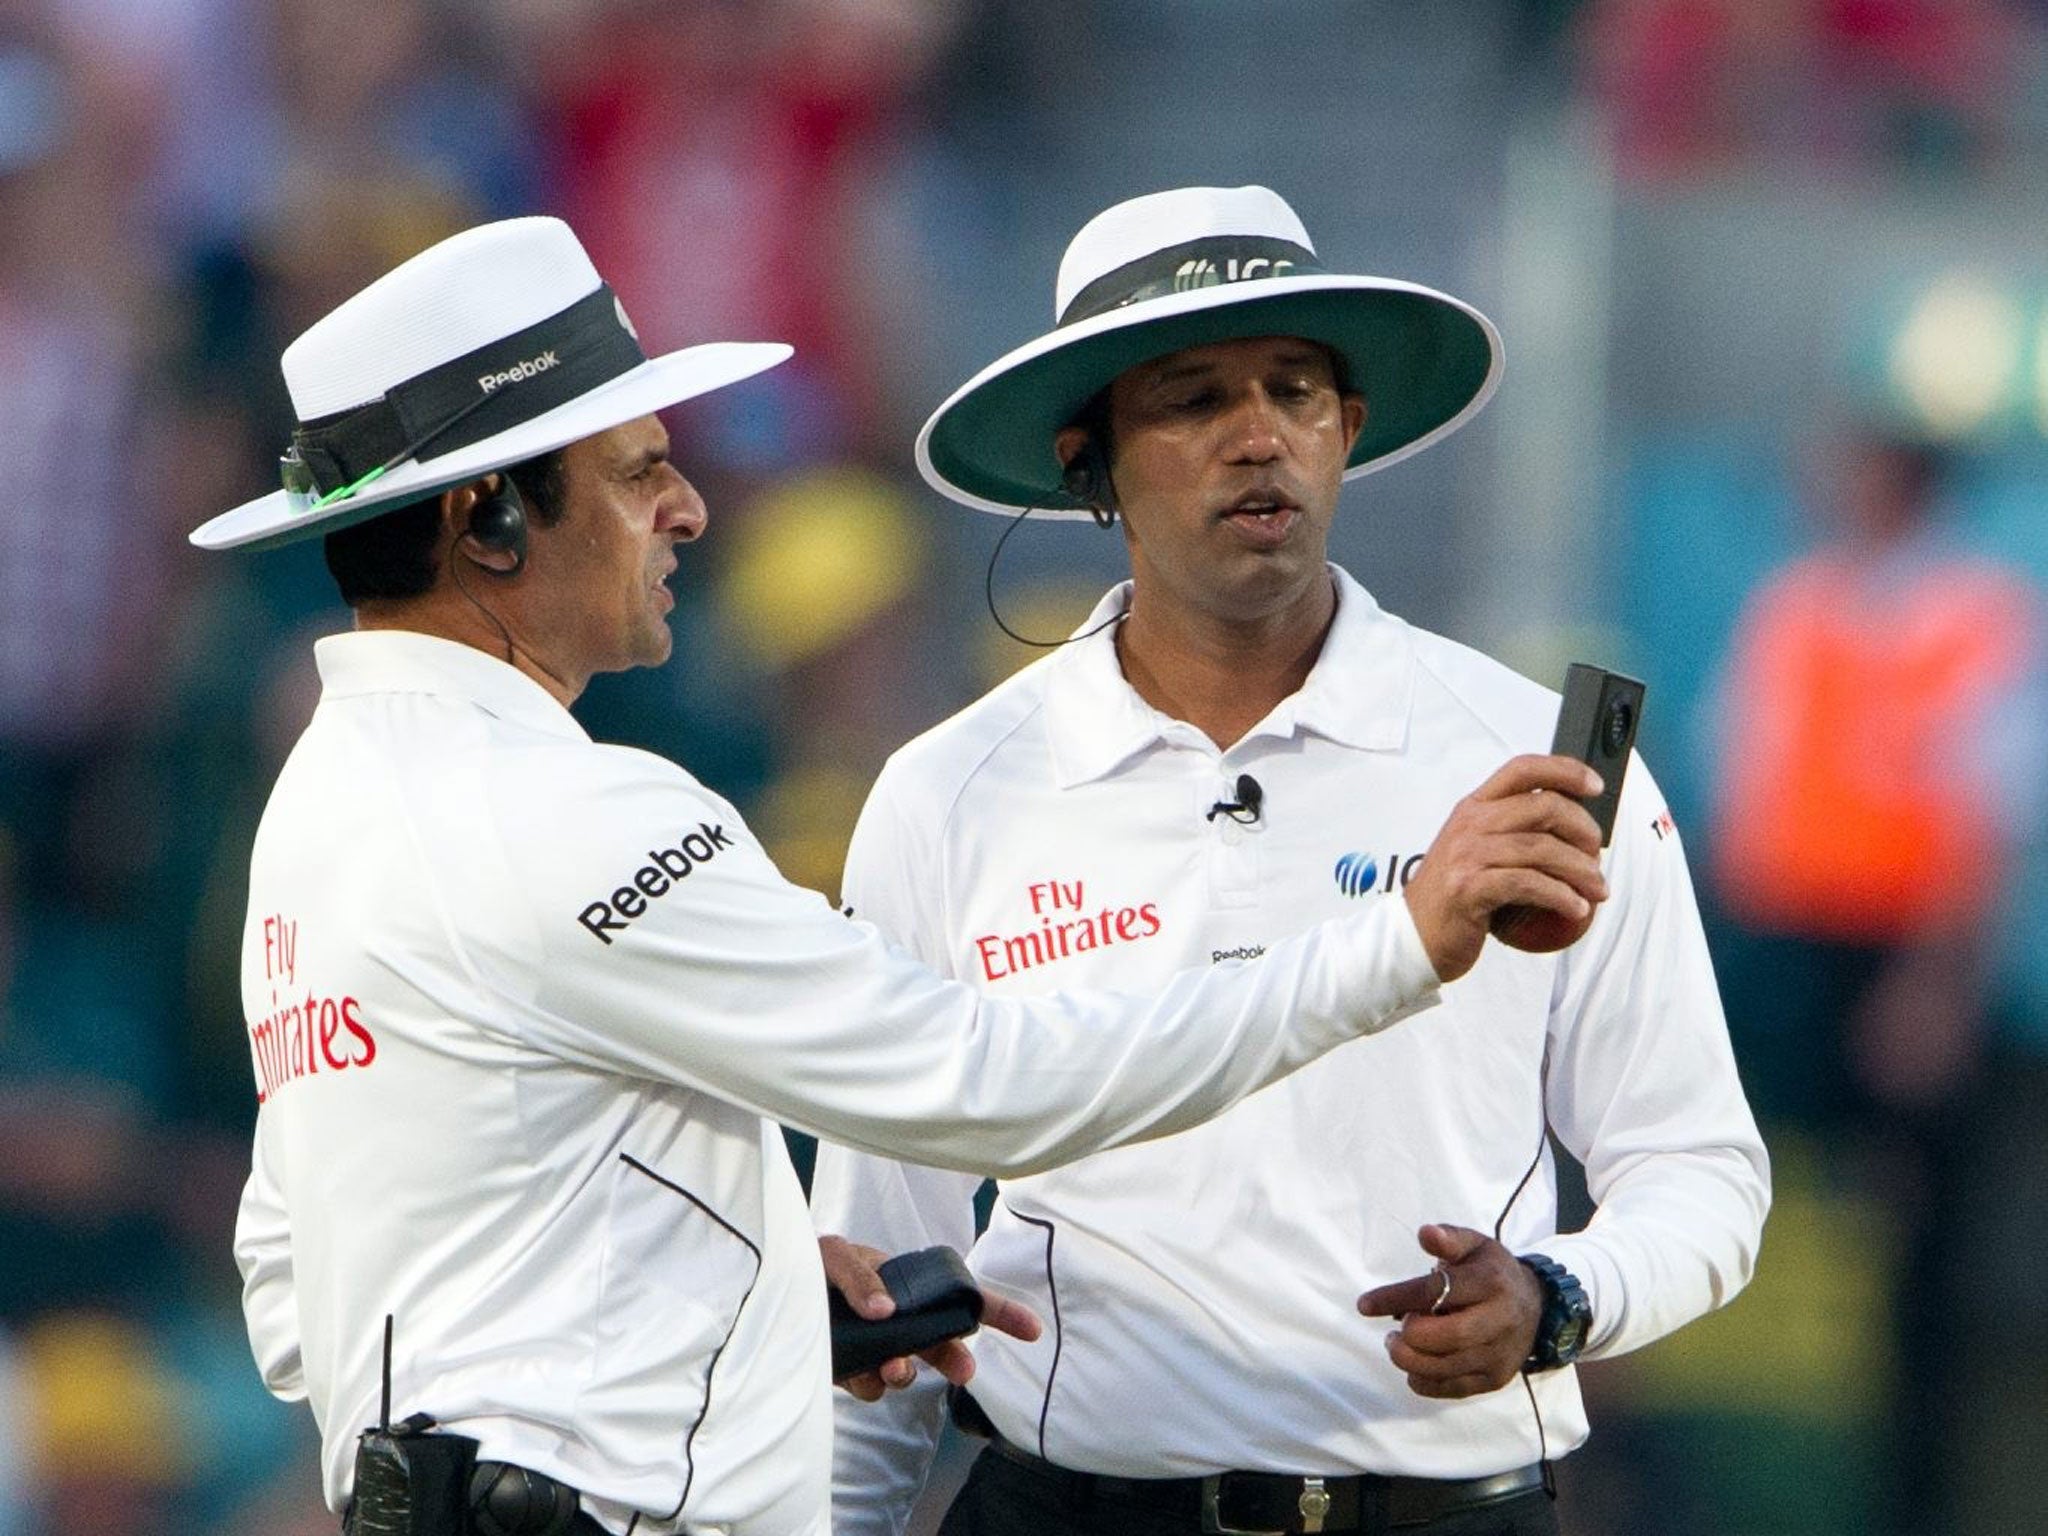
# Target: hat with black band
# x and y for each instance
(1188, 268)
(491, 348)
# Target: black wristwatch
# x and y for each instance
(1567, 1315)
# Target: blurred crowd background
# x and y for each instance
(1773, 436)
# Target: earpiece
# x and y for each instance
(499, 524)
(1086, 479)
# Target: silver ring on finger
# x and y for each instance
(1443, 1295)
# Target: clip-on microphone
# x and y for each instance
(1245, 808)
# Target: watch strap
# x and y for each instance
(1567, 1318)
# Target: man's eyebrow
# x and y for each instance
(647, 458)
(1303, 355)
(1174, 373)
(1306, 355)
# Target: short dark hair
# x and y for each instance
(392, 554)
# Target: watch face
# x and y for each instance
(1571, 1337)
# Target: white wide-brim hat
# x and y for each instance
(497, 345)
(1186, 268)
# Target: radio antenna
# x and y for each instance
(384, 1417)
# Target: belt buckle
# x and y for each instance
(1313, 1504)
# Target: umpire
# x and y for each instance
(523, 1008)
(1242, 736)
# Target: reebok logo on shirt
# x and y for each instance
(666, 868)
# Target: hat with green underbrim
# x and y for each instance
(1186, 268)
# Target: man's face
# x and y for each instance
(604, 604)
(1227, 460)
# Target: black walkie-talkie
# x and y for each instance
(410, 1482)
(936, 1299)
(1596, 723)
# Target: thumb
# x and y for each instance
(853, 1271)
(1451, 1244)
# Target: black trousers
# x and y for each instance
(1004, 1498)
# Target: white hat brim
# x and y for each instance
(654, 385)
(1035, 389)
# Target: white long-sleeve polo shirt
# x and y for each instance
(1199, 1292)
(522, 1009)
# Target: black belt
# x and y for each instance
(1273, 1504)
(584, 1524)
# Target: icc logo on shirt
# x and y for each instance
(1358, 874)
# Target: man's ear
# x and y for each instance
(1353, 407)
(1067, 442)
(458, 507)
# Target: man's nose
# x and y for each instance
(682, 511)
(1255, 429)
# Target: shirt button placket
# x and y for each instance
(1233, 851)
